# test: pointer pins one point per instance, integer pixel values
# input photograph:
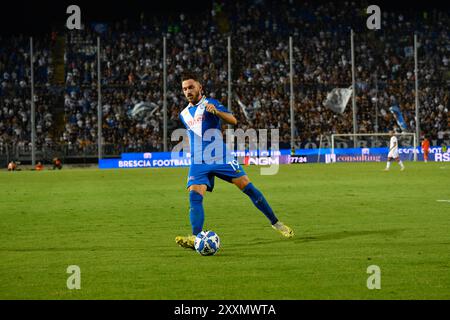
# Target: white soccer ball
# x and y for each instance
(207, 243)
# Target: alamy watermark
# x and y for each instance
(374, 280)
(74, 280)
(74, 20)
(210, 147)
(374, 20)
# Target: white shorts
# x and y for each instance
(393, 154)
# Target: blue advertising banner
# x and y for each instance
(167, 159)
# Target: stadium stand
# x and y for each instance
(132, 73)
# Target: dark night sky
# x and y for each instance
(28, 17)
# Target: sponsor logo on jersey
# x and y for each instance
(198, 119)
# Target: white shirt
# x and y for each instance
(393, 144)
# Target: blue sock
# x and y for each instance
(196, 213)
(260, 202)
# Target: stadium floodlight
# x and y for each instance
(352, 135)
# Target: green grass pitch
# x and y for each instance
(119, 227)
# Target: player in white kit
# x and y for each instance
(393, 152)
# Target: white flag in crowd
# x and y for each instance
(243, 108)
(142, 109)
(337, 99)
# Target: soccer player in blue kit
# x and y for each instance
(203, 114)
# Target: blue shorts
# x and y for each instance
(205, 173)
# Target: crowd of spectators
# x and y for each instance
(15, 98)
(132, 73)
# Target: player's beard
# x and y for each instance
(195, 98)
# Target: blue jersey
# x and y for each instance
(204, 130)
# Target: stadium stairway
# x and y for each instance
(58, 82)
(221, 19)
(58, 114)
(448, 119)
(57, 51)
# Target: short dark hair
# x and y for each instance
(190, 76)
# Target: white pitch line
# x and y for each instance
(443, 200)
